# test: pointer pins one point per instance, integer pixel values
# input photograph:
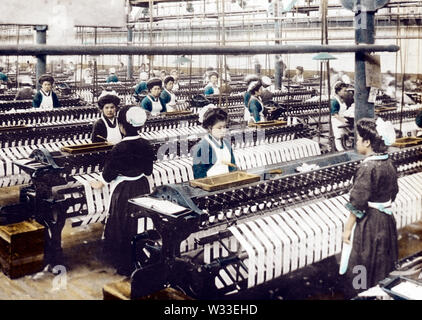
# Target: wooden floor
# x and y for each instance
(86, 272)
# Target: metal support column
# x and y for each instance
(130, 57)
(364, 33)
(41, 38)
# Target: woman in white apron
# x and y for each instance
(106, 128)
(212, 86)
(213, 155)
(255, 110)
(152, 101)
(46, 98)
(167, 96)
(338, 108)
(370, 232)
(126, 168)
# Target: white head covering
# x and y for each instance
(204, 109)
(136, 116)
(143, 76)
(266, 81)
(386, 130)
(112, 70)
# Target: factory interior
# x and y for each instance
(107, 109)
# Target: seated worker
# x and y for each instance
(205, 77)
(298, 77)
(267, 89)
(338, 107)
(212, 86)
(225, 87)
(142, 85)
(213, 155)
(46, 98)
(248, 80)
(4, 79)
(152, 101)
(125, 168)
(175, 74)
(26, 92)
(106, 128)
(254, 112)
(112, 76)
(168, 98)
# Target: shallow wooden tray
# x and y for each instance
(87, 147)
(407, 142)
(272, 123)
(223, 181)
(9, 128)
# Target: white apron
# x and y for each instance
(156, 106)
(215, 88)
(114, 135)
(248, 116)
(383, 207)
(119, 178)
(47, 100)
(221, 155)
(171, 105)
(335, 122)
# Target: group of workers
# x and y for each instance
(132, 158)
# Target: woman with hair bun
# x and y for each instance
(167, 96)
(106, 128)
(370, 233)
(46, 98)
(213, 155)
(152, 102)
(125, 168)
(212, 86)
(254, 112)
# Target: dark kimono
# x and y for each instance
(131, 157)
(375, 244)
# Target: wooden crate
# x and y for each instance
(22, 248)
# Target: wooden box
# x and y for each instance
(226, 180)
(407, 142)
(87, 147)
(265, 124)
(22, 248)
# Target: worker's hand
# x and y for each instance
(346, 236)
(95, 184)
(271, 109)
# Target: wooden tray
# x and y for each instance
(178, 113)
(272, 123)
(9, 128)
(407, 142)
(226, 180)
(381, 109)
(87, 147)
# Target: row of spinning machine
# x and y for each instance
(215, 243)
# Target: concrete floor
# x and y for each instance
(86, 273)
